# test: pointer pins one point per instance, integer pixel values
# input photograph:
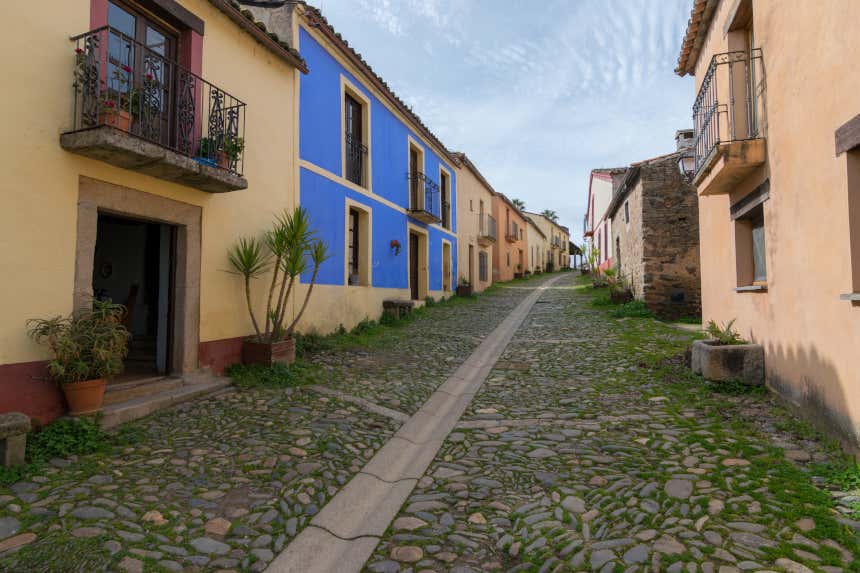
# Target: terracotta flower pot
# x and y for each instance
(119, 119)
(84, 397)
(268, 353)
(464, 290)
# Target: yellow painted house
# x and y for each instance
(558, 237)
(477, 229)
(145, 138)
(538, 245)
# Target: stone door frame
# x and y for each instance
(96, 197)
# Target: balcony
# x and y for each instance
(423, 198)
(356, 152)
(729, 144)
(135, 109)
(513, 233)
(486, 230)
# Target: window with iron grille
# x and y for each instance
(482, 267)
(355, 148)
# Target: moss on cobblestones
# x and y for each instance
(592, 447)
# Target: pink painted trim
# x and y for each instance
(98, 13)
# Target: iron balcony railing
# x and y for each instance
(423, 194)
(356, 151)
(513, 232)
(125, 84)
(729, 104)
(487, 226)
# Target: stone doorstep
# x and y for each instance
(121, 412)
(125, 391)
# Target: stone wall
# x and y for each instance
(670, 221)
(627, 244)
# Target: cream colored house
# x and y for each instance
(477, 230)
(558, 238)
(538, 245)
(776, 165)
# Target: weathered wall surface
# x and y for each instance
(670, 228)
(810, 336)
(627, 242)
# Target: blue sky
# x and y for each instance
(537, 93)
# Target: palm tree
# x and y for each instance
(550, 214)
(519, 204)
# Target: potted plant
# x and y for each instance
(233, 148)
(286, 250)
(619, 292)
(728, 357)
(210, 153)
(115, 105)
(112, 114)
(518, 274)
(464, 287)
(87, 347)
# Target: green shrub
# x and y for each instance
(388, 319)
(276, 375)
(725, 335)
(312, 343)
(67, 437)
(429, 301)
(634, 308)
(602, 299)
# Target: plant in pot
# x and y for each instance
(619, 292)
(726, 356)
(286, 250)
(464, 287)
(233, 148)
(87, 347)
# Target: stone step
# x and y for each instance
(134, 408)
(116, 393)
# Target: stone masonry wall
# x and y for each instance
(670, 216)
(627, 242)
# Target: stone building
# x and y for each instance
(655, 234)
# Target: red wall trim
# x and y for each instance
(24, 387)
(98, 13)
(219, 354)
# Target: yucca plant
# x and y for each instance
(286, 250)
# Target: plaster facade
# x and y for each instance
(41, 191)
(802, 313)
(475, 227)
(510, 251)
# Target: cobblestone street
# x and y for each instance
(587, 448)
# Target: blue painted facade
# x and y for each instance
(321, 140)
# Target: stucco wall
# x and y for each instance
(39, 190)
(505, 251)
(324, 191)
(810, 336)
(470, 192)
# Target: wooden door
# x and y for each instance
(413, 265)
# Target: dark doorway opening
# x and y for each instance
(413, 265)
(134, 266)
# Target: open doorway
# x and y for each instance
(133, 265)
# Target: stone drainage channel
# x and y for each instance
(344, 534)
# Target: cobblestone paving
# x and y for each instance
(588, 449)
(226, 483)
(406, 368)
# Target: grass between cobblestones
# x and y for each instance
(262, 460)
(612, 428)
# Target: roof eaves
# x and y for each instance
(463, 159)
(322, 24)
(698, 25)
(245, 20)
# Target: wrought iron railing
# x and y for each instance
(728, 106)
(355, 154)
(513, 232)
(487, 226)
(423, 193)
(122, 83)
